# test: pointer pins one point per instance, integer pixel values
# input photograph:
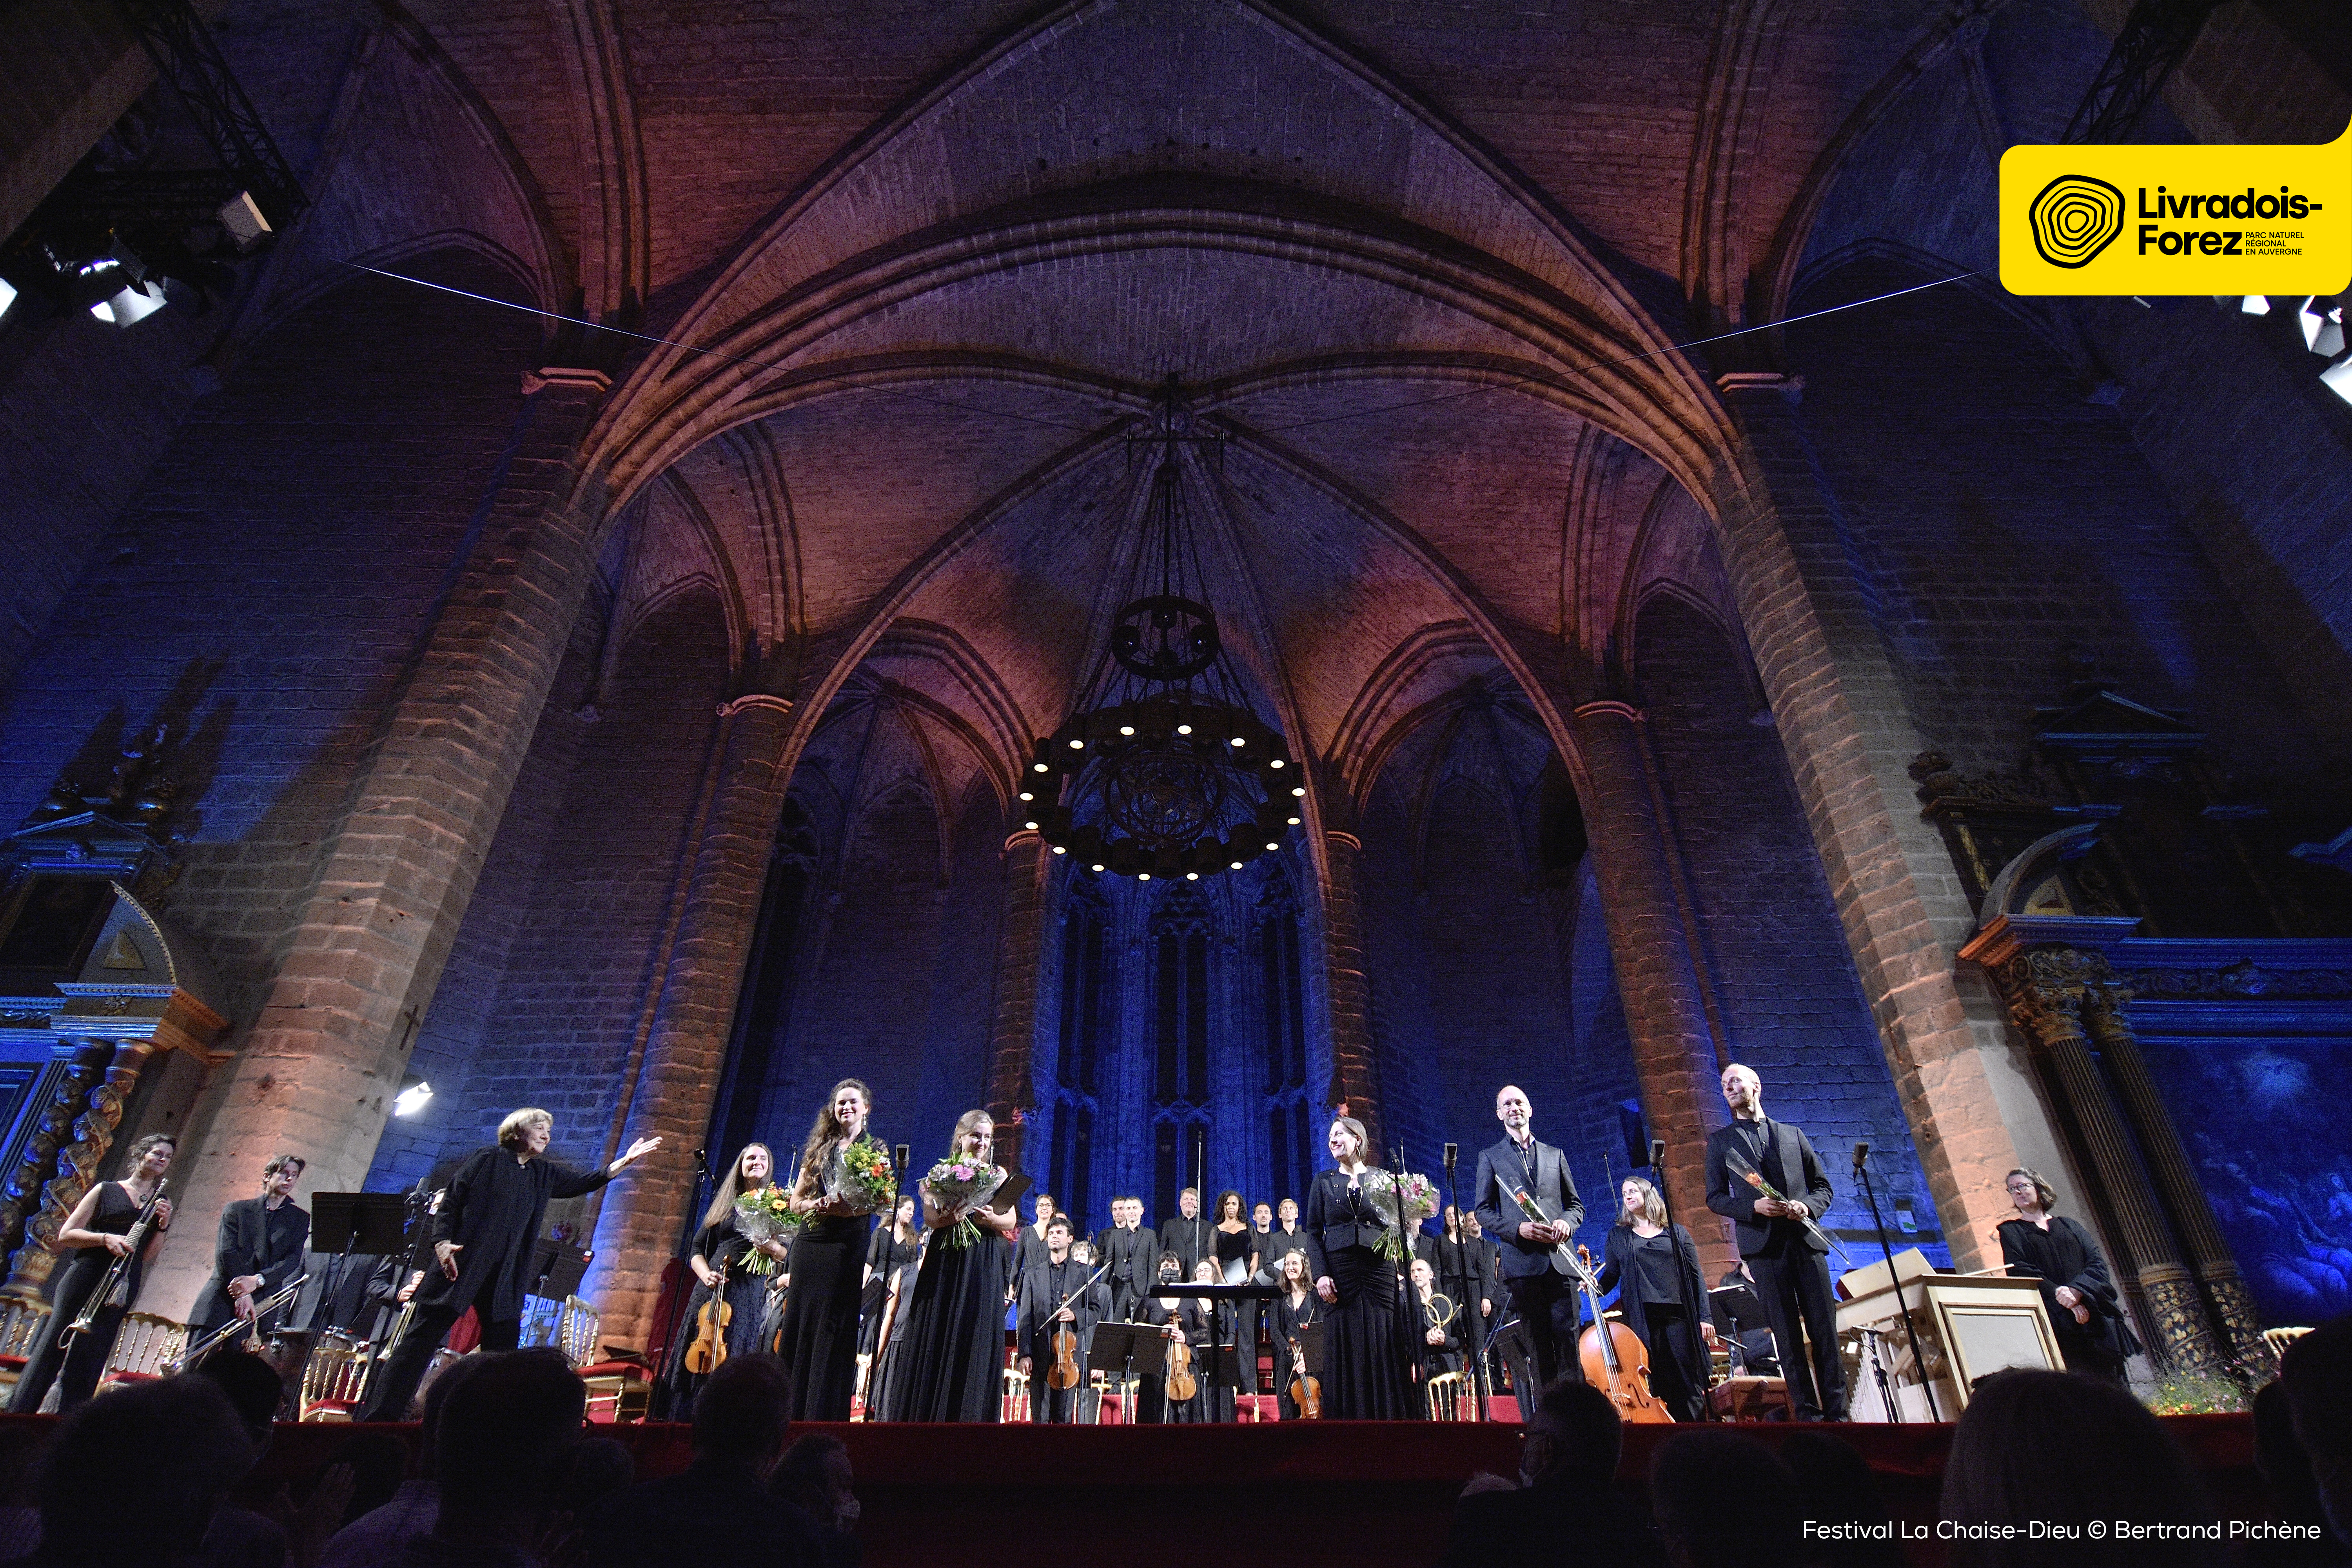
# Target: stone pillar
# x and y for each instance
(2048, 992)
(1839, 701)
(1020, 939)
(2176, 1183)
(324, 1053)
(1665, 1013)
(644, 1216)
(1355, 1075)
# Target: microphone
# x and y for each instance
(1861, 1152)
(1658, 1153)
(1452, 1151)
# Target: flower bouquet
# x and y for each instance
(870, 1181)
(958, 1183)
(1382, 1189)
(764, 1215)
(1755, 1178)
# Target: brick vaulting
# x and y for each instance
(604, 567)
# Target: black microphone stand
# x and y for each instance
(1682, 1280)
(1918, 1363)
(1460, 1281)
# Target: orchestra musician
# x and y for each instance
(721, 1263)
(1187, 1234)
(1788, 1257)
(482, 1240)
(955, 1352)
(1541, 1291)
(2077, 1290)
(1441, 1344)
(1050, 1296)
(817, 1338)
(1029, 1244)
(256, 1254)
(1662, 1285)
(1296, 1308)
(92, 1236)
(1184, 1319)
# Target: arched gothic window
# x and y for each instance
(1178, 943)
(1290, 1151)
(1076, 1069)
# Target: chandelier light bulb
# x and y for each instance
(1098, 865)
(1298, 789)
(1273, 846)
(1040, 767)
(1183, 729)
(1078, 745)
(1059, 851)
(1127, 729)
(1275, 762)
(1239, 741)
(1028, 795)
(1143, 876)
(1237, 865)
(1191, 875)
(1293, 822)
(1030, 826)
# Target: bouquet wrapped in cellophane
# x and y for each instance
(957, 1183)
(764, 1215)
(870, 1180)
(1419, 1197)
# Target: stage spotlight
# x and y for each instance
(2255, 304)
(240, 218)
(7, 297)
(2323, 328)
(130, 305)
(414, 1093)
(2337, 379)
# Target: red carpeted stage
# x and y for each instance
(1141, 1496)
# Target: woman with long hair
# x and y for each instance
(2076, 1288)
(92, 1237)
(891, 1258)
(818, 1340)
(1367, 1355)
(950, 1366)
(721, 1261)
(1662, 1288)
(1235, 1247)
(1296, 1308)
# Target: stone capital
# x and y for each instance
(755, 700)
(567, 378)
(1624, 713)
(1732, 383)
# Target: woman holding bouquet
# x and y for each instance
(1367, 1369)
(722, 1260)
(950, 1366)
(835, 1194)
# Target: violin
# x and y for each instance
(1307, 1393)
(1064, 1373)
(710, 1347)
(1614, 1359)
(1181, 1383)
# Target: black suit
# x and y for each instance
(1134, 1259)
(1790, 1261)
(1541, 1292)
(254, 1239)
(1191, 1240)
(1039, 1299)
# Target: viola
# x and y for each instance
(1614, 1359)
(1064, 1373)
(1181, 1383)
(1307, 1393)
(710, 1347)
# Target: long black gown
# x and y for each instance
(818, 1340)
(719, 1246)
(2065, 1254)
(951, 1367)
(1367, 1353)
(84, 1363)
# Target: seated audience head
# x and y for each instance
(500, 1446)
(379, 1463)
(1835, 1484)
(2317, 1372)
(434, 1400)
(744, 1414)
(594, 1469)
(815, 1477)
(1573, 1433)
(1724, 1500)
(252, 1387)
(2051, 1446)
(2279, 1456)
(184, 1448)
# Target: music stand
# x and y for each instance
(556, 1264)
(1114, 1348)
(375, 1224)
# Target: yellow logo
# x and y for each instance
(2126, 219)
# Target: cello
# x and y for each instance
(709, 1350)
(1614, 1359)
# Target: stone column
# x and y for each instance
(324, 1053)
(643, 1215)
(1020, 939)
(1666, 1012)
(1839, 702)
(2177, 1182)
(2049, 991)
(1355, 1075)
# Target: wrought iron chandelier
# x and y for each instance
(1165, 769)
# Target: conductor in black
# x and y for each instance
(1527, 1249)
(1788, 1257)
